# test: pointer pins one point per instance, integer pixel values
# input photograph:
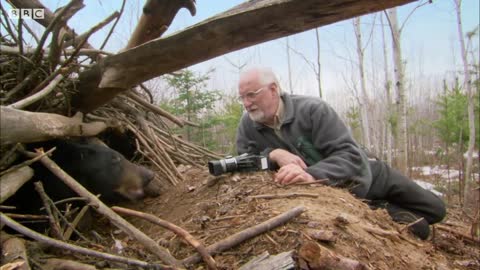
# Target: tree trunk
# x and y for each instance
(318, 73)
(401, 106)
(364, 105)
(388, 102)
(467, 84)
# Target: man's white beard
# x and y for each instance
(257, 116)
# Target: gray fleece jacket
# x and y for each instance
(310, 122)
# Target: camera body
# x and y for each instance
(243, 163)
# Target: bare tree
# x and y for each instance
(364, 100)
(388, 93)
(467, 85)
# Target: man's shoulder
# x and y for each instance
(302, 101)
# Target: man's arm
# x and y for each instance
(343, 159)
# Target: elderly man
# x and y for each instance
(304, 139)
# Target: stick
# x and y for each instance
(28, 162)
(100, 207)
(54, 224)
(459, 234)
(66, 246)
(249, 233)
(39, 95)
(156, 109)
(174, 228)
(287, 195)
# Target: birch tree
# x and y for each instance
(400, 100)
(364, 103)
(388, 93)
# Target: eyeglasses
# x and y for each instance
(250, 95)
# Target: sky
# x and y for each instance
(430, 45)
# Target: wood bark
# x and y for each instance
(14, 252)
(245, 25)
(11, 182)
(25, 127)
(265, 261)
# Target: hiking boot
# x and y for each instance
(421, 228)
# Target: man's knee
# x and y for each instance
(438, 211)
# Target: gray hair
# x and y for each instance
(267, 76)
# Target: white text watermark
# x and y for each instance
(26, 13)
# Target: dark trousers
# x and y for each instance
(402, 194)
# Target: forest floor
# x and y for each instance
(212, 209)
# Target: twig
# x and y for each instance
(66, 246)
(39, 95)
(83, 37)
(100, 207)
(113, 26)
(287, 195)
(37, 55)
(411, 224)
(8, 26)
(28, 162)
(72, 227)
(22, 216)
(464, 237)
(54, 224)
(249, 233)
(174, 228)
(22, 84)
(156, 109)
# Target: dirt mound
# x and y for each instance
(212, 209)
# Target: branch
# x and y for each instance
(288, 195)
(249, 233)
(37, 96)
(65, 246)
(174, 228)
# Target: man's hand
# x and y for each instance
(293, 173)
(283, 157)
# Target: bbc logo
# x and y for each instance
(27, 13)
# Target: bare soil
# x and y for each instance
(212, 209)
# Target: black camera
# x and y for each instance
(242, 163)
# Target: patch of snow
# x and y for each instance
(428, 186)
